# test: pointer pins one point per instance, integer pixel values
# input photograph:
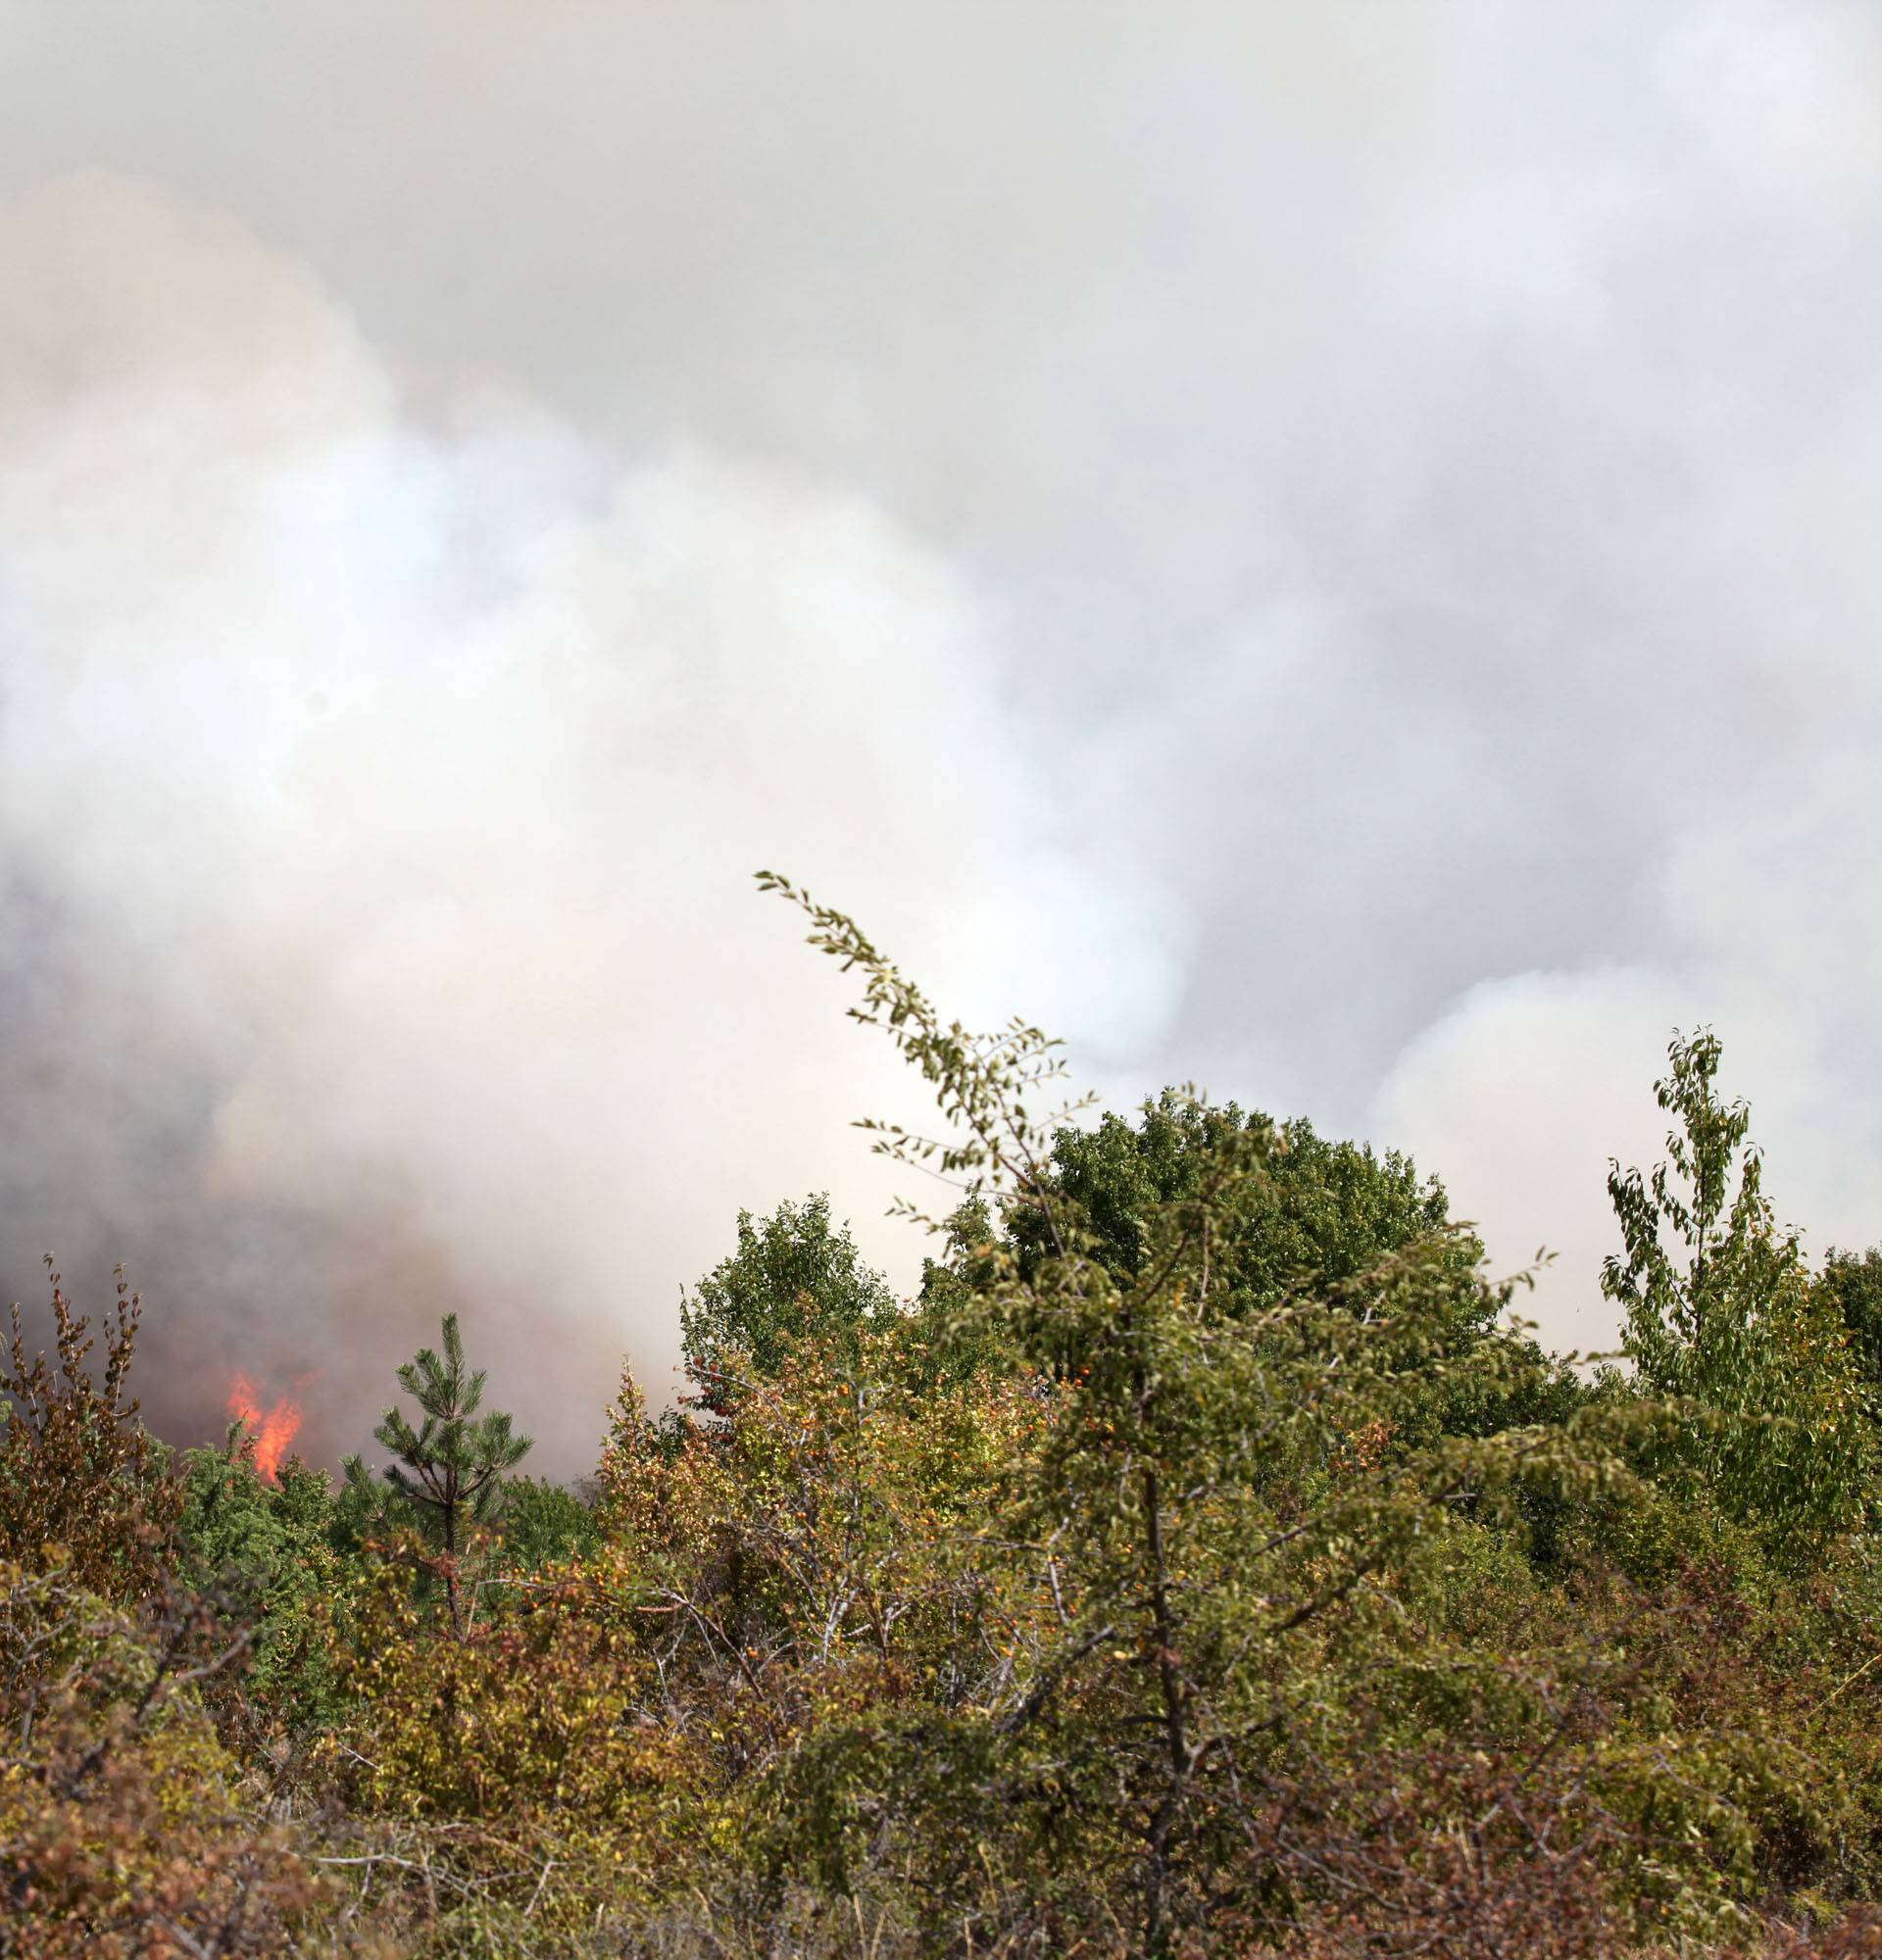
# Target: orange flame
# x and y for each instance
(274, 1430)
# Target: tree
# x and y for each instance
(1852, 1286)
(1721, 1315)
(1320, 1212)
(793, 1274)
(545, 1524)
(267, 1545)
(946, 1335)
(450, 1471)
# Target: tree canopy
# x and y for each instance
(792, 1276)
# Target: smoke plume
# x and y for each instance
(1322, 549)
(383, 786)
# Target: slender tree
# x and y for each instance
(1721, 1316)
(450, 1471)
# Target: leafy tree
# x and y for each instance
(450, 1472)
(946, 1335)
(545, 1524)
(268, 1545)
(1721, 1315)
(1312, 1216)
(1321, 1212)
(1852, 1286)
(792, 1274)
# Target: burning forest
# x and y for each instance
(1321, 549)
(1204, 1519)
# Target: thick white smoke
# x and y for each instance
(1526, 1088)
(380, 784)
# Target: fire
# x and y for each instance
(274, 1430)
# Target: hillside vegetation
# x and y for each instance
(1204, 1562)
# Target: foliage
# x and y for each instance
(544, 1525)
(82, 1485)
(1732, 1326)
(1321, 1212)
(271, 1546)
(122, 1827)
(1851, 1288)
(450, 1472)
(792, 1275)
(1221, 1486)
(1199, 1564)
(945, 1335)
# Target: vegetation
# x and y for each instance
(1204, 1562)
(448, 1479)
(793, 1279)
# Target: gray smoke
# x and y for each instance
(1322, 549)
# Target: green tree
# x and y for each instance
(792, 1274)
(1852, 1287)
(545, 1524)
(1720, 1315)
(1314, 1216)
(267, 1545)
(450, 1472)
(946, 1335)
(1324, 1210)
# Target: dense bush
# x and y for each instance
(1198, 1566)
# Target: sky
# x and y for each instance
(1324, 552)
